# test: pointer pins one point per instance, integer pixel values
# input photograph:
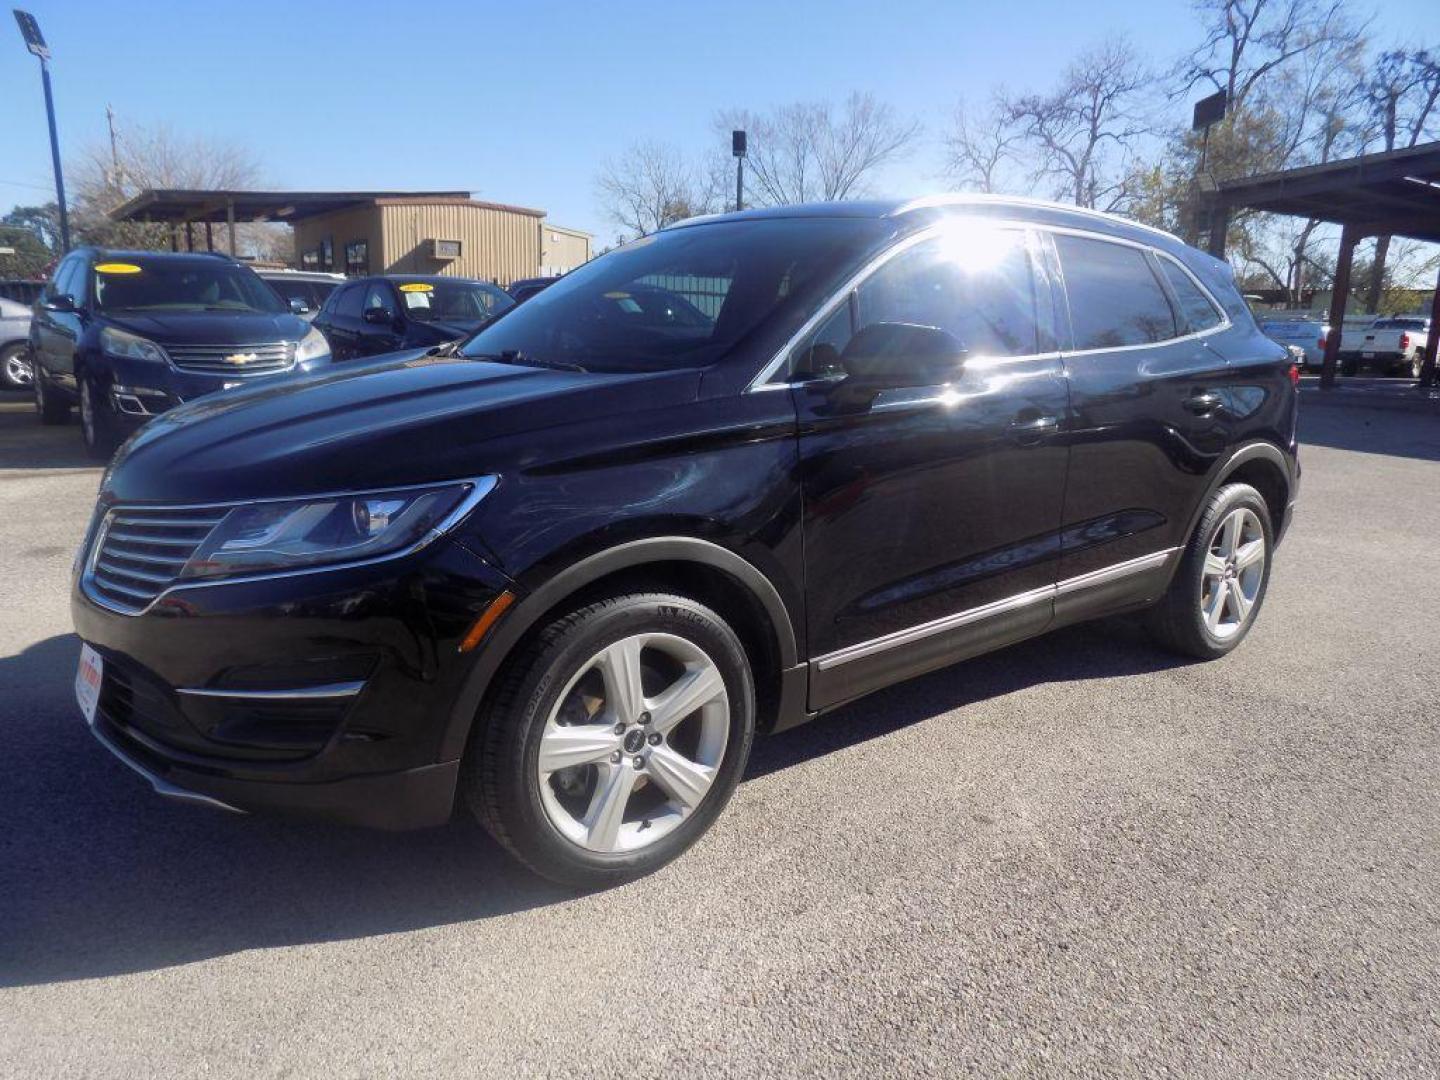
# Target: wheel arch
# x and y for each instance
(1266, 468)
(712, 574)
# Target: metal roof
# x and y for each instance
(1393, 193)
(180, 205)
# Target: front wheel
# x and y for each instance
(1217, 590)
(97, 422)
(613, 739)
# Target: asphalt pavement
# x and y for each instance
(1078, 856)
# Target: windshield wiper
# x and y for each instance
(515, 356)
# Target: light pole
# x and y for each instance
(35, 42)
(737, 147)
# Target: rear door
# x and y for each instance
(1148, 418)
(57, 333)
(385, 336)
(340, 320)
(932, 514)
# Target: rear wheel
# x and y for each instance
(1417, 362)
(52, 410)
(614, 739)
(15, 371)
(1217, 591)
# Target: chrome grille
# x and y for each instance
(140, 552)
(234, 361)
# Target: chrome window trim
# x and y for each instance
(304, 693)
(928, 202)
(481, 487)
(762, 380)
(999, 607)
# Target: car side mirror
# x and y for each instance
(894, 356)
(60, 302)
(298, 306)
(379, 316)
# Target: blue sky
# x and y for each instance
(520, 102)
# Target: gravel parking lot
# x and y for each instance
(1077, 856)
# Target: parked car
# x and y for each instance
(127, 335)
(14, 345)
(1306, 334)
(375, 315)
(22, 291)
(564, 574)
(304, 290)
(525, 288)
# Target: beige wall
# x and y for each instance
(362, 223)
(561, 250)
(496, 244)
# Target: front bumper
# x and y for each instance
(324, 694)
(140, 389)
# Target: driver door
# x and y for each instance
(932, 513)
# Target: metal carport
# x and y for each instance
(1396, 193)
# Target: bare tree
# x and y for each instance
(1246, 40)
(107, 175)
(814, 152)
(1083, 133)
(1401, 96)
(649, 187)
(981, 148)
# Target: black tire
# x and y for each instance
(1176, 621)
(500, 781)
(97, 422)
(1349, 367)
(9, 356)
(52, 410)
(1417, 363)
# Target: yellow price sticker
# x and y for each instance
(417, 286)
(116, 268)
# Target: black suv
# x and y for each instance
(127, 335)
(377, 315)
(719, 481)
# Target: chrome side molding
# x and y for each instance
(912, 634)
(303, 693)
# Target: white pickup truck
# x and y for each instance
(1393, 343)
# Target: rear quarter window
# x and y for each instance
(1115, 298)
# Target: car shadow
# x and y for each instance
(102, 877)
(25, 443)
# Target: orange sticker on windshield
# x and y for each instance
(116, 268)
(417, 286)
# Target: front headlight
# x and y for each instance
(130, 346)
(312, 347)
(266, 537)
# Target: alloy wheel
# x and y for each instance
(634, 743)
(1234, 571)
(18, 372)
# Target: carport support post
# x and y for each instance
(209, 237)
(1432, 340)
(230, 221)
(1349, 237)
(1219, 226)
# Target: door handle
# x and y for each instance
(1205, 403)
(1033, 429)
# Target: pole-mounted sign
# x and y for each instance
(737, 148)
(30, 31)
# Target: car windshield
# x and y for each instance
(140, 283)
(453, 301)
(680, 298)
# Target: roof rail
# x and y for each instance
(980, 199)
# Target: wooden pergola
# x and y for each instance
(1396, 193)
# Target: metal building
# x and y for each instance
(378, 232)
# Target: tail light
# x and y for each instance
(1322, 341)
(1294, 374)
(1404, 342)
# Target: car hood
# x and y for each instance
(407, 418)
(212, 327)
